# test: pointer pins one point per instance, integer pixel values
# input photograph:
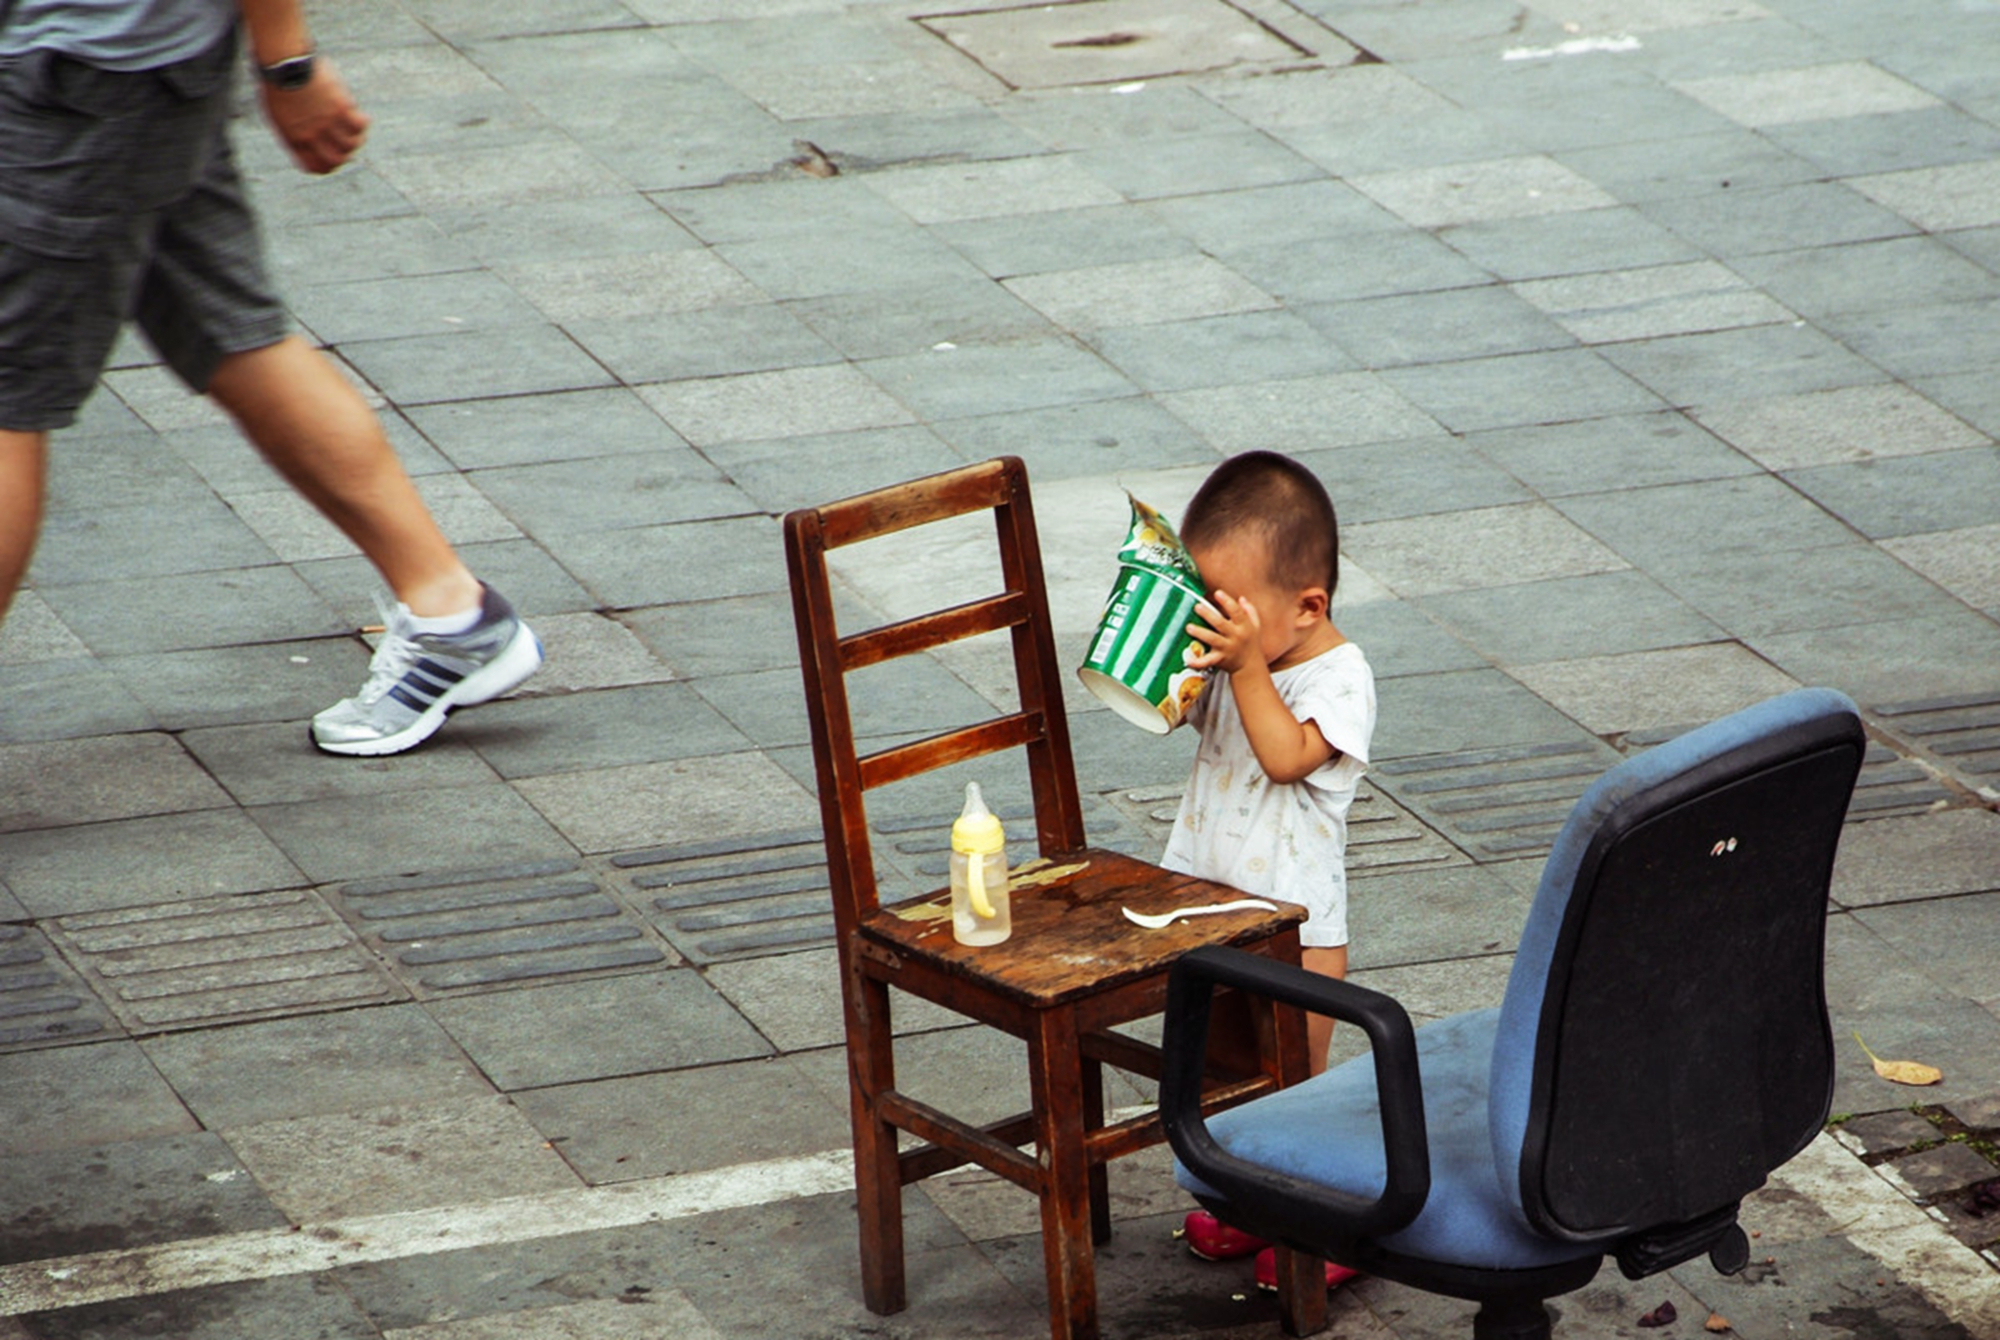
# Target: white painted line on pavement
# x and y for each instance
(72, 1281)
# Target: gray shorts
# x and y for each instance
(120, 199)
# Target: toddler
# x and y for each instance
(1284, 723)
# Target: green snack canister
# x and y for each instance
(1138, 660)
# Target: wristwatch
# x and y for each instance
(287, 75)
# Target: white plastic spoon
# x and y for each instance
(1154, 921)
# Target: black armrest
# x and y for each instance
(1281, 1205)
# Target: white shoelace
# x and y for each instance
(394, 655)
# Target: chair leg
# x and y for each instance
(1281, 1038)
(1055, 1067)
(878, 1180)
(1513, 1318)
(1100, 1176)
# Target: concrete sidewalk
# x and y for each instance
(1647, 349)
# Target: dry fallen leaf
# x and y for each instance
(1663, 1315)
(1716, 1322)
(1903, 1072)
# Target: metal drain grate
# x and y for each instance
(504, 924)
(1498, 803)
(210, 960)
(1962, 734)
(739, 897)
(41, 1001)
(1381, 835)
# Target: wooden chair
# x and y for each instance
(1074, 966)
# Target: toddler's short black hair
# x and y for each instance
(1282, 504)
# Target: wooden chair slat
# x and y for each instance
(933, 630)
(939, 751)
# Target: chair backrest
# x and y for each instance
(826, 657)
(1663, 1043)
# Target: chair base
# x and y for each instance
(1512, 1319)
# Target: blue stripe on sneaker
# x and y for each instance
(410, 700)
(442, 674)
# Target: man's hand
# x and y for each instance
(320, 124)
(1234, 636)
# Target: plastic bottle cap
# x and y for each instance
(977, 832)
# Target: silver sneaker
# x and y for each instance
(416, 678)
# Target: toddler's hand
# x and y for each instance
(1234, 635)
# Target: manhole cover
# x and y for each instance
(1961, 733)
(42, 1002)
(1498, 803)
(1112, 41)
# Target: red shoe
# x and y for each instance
(1212, 1240)
(1267, 1272)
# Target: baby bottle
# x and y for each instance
(979, 907)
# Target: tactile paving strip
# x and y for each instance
(466, 929)
(42, 1002)
(1498, 804)
(1889, 784)
(1381, 835)
(213, 960)
(739, 897)
(1962, 734)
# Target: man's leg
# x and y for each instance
(23, 465)
(321, 435)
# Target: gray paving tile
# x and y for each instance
(195, 535)
(531, 579)
(1491, 546)
(1133, 293)
(1687, 526)
(218, 686)
(1163, 167)
(806, 471)
(1441, 327)
(537, 429)
(96, 1094)
(121, 470)
(1922, 342)
(1381, 481)
(1864, 276)
(629, 284)
(552, 230)
(1894, 660)
(33, 634)
(1700, 166)
(1499, 188)
(1652, 302)
(1601, 455)
(656, 804)
(736, 635)
(408, 1155)
(1908, 495)
(1485, 917)
(644, 723)
(1900, 1010)
(1785, 218)
(1377, 263)
(1822, 92)
(468, 20)
(551, 166)
(787, 267)
(790, 402)
(511, 360)
(1215, 350)
(609, 1130)
(1086, 118)
(914, 693)
(588, 651)
(1092, 438)
(1791, 590)
(1940, 199)
(369, 836)
(1401, 639)
(65, 699)
(996, 378)
(1515, 389)
(1890, 142)
(1964, 562)
(1848, 424)
(1461, 709)
(794, 1000)
(911, 319)
(421, 304)
(313, 1305)
(1978, 244)
(217, 609)
(346, 1061)
(1571, 617)
(1725, 365)
(1299, 413)
(597, 1317)
(1225, 222)
(63, 782)
(612, 1026)
(1668, 688)
(718, 342)
(151, 859)
(696, 560)
(1951, 937)
(612, 492)
(128, 1193)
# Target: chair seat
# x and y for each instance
(1327, 1130)
(1070, 935)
